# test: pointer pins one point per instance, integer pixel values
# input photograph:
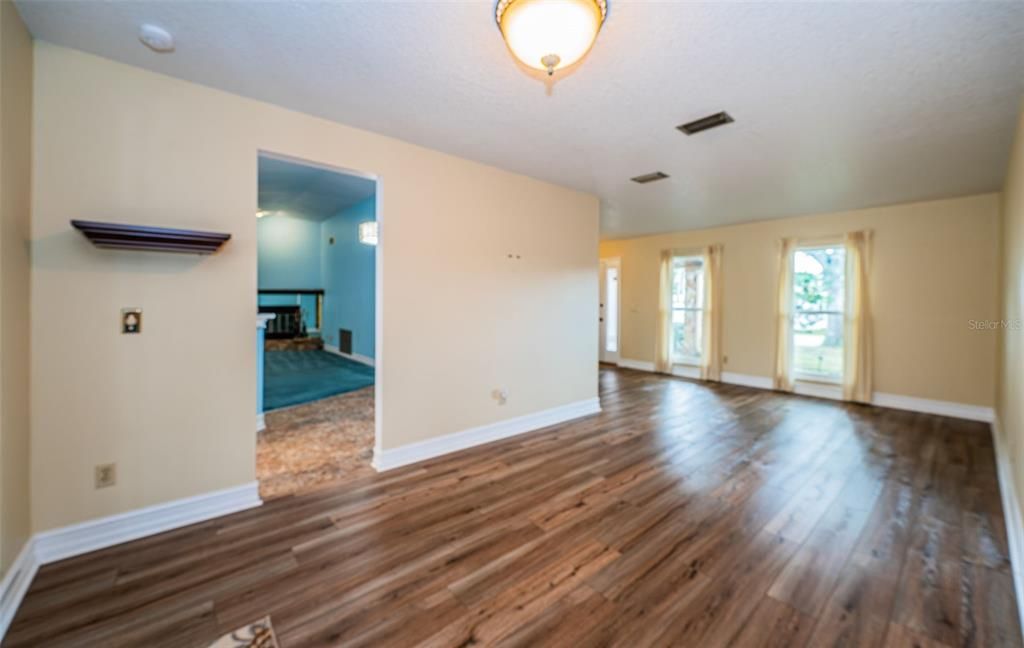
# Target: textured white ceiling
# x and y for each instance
(837, 105)
(314, 192)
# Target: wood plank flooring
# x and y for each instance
(683, 515)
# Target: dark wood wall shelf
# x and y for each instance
(140, 237)
(291, 291)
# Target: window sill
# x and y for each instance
(817, 380)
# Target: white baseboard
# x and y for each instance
(834, 392)
(686, 371)
(67, 542)
(818, 390)
(77, 539)
(261, 422)
(416, 452)
(16, 583)
(928, 406)
(357, 357)
(639, 365)
(801, 388)
(1011, 515)
(683, 371)
(746, 380)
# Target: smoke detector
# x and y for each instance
(156, 38)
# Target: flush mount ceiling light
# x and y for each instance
(550, 34)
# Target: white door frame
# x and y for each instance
(603, 354)
(378, 360)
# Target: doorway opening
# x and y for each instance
(608, 317)
(317, 261)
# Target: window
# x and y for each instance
(368, 233)
(687, 309)
(818, 318)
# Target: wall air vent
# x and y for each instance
(649, 177)
(704, 123)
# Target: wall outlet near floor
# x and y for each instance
(500, 395)
(106, 475)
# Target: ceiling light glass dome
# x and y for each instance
(550, 34)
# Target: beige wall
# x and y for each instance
(15, 185)
(174, 407)
(1011, 377)
(934, 264)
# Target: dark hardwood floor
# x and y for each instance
(684, 514)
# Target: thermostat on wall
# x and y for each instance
(131, 320)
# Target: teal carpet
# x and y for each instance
(293, 377)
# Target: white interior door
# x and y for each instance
(608, 315)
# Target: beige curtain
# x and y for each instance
(782, 378)
(711, 354)
(857, 384)
(663, 343)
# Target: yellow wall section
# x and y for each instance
(15, 187)
(175, 406)
(1011, 383)
(934, 265)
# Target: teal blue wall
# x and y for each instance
(289, 257)
(296, 252)
(289, 252)
(349, 269)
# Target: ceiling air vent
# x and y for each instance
(649, 177)
(704, 123)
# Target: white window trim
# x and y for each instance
(693, 361)
(810, 376)
(689, 361)
(817, 379)
(815, 382)
(686, 362)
